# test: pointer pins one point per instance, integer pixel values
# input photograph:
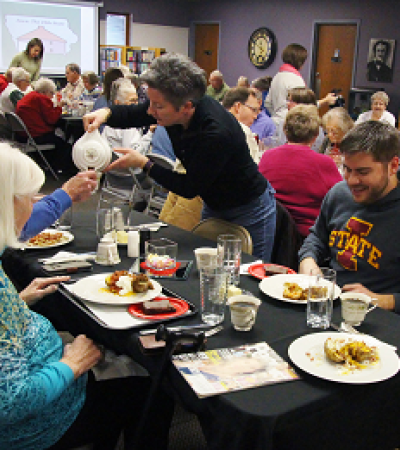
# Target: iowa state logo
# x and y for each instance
(352, 244)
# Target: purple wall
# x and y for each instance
(292, 21)
(173, 13)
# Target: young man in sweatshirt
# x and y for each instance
(357, 228)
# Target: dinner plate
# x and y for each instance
(180, 308)
(273, 286)
(258, 270)
(68, 237)
(93, 289)
(307, 353)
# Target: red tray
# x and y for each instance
(170, 271)
(258, 270)
(180, 306)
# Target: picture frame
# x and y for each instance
(381, 60)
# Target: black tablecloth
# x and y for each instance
(303, 414)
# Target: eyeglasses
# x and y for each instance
(252, 108)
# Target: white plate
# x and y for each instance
(307, 352)
(92, 289)
(273, 286)
(67, 235)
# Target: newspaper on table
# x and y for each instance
(232, 369)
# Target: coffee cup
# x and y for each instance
(206, 256)
(243, 311)
(355, 306)
(107, 252)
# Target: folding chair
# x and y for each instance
(17, 126)
(211, 228)
(5, 129)
(158, 195)
(125, 186)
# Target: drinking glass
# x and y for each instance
(320, 297)
(104, 221)
(229, 256)
(213, 284)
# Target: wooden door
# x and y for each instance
(206, 46)
(333, 66)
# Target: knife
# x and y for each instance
(183, 327)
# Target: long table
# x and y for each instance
(303, 414)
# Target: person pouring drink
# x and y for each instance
(208, 141)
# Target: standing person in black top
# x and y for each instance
(208, 141)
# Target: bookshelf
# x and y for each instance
(111, 56)
(138, 59)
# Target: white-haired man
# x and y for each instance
(217, 87)
(20, 85)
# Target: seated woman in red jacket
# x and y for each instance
(41, 117)
(300, 176)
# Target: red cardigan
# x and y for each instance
(301, 178)
(3, 83)
(38, 113)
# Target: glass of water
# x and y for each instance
(320, 297)
(213, 294)
(229, 256)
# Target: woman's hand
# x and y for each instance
(93, 120)
(81, 355)
(129, 158)
(39, 288)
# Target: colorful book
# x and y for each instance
(232, 369)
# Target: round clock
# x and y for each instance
(262, 48)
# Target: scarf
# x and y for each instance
(291, 69)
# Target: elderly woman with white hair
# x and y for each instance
(41, 118)
(124, 93)
(21, 80)
(379, 102)
(48, 396)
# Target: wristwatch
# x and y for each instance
(146, 168)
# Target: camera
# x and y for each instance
(339, 102)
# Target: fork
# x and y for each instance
(213, 331)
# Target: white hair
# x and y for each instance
(216, 74)
(120, 89)
(125, 70)
(380, 95)
(19, 176)
(20, 74)
(45, 85)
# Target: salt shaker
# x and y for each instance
(133, 244)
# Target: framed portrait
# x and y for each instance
(381, 60)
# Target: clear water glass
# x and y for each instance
(213, 285)
(229, 255)
(320, 297)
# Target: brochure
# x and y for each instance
(232, 369)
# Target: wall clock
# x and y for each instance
(262, 48)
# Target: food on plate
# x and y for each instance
(158, 307)
(159, 262)
(122, 282)
(352, 353)
(46, 239)
(141, 283)
(294, 291)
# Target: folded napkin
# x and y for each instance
(244, 268)
(155, 226)
(68, 256)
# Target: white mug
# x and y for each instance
(206, 256)
(355, 306)
(243, 311)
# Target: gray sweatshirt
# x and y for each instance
(360, 242)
